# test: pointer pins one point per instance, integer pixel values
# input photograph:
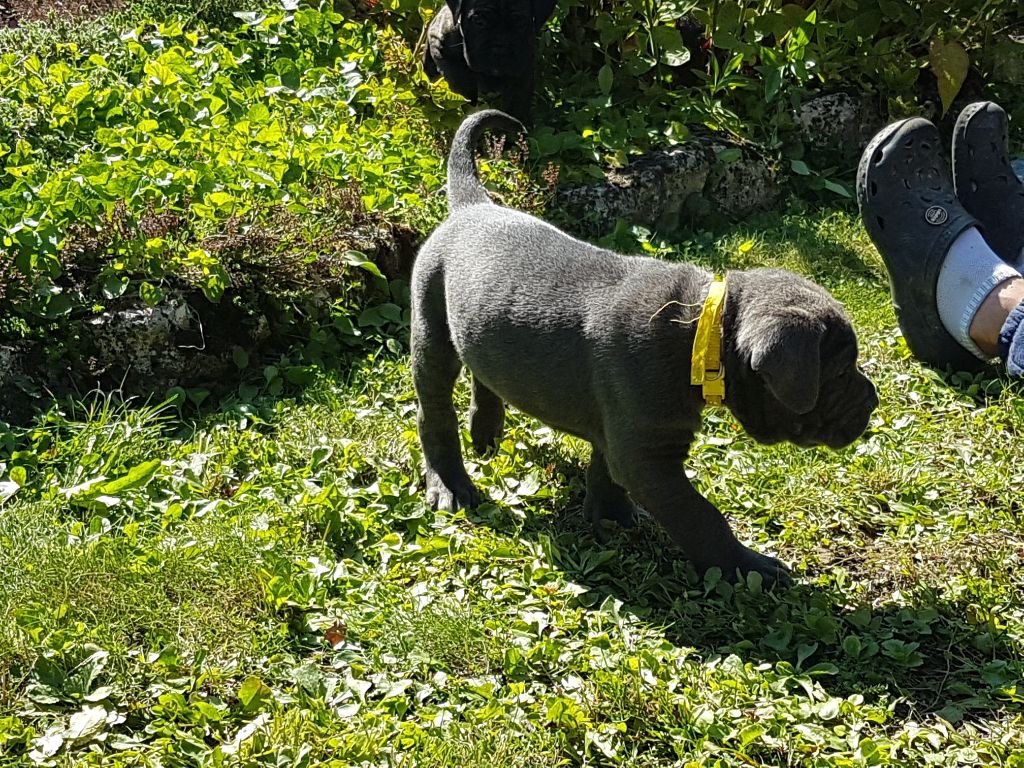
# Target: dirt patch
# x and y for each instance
(12, 12)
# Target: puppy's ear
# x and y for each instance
(456, 8)
(787, 356)
(542, 10)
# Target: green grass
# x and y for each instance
(266, 586)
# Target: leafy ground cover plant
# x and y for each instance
(228, 155)
(122, 138)
(266, 586)
(261, 583)
(625, 76)
(127, 165)
(238, 170)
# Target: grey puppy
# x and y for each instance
(487, 46)
(598, 345)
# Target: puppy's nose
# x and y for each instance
(872, 399)
(869, 393)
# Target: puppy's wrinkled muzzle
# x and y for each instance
(854, 427)
(837, 421)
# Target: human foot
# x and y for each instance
(913, 217)
(984, 181)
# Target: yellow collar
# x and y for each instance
(706, 366)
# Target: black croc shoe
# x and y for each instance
(983, 179)
(912, 215)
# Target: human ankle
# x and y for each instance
(989, 319)
(971, 272)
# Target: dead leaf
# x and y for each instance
(950, 64)
(335, 634)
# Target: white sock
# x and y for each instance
(968, 275)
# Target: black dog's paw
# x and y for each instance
(486, 420)
(774, 573)
(615, 507)
(485, 443)
(486, 433)
(461, 494)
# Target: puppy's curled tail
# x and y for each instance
(464, 187)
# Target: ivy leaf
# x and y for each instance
(950, 64)
(151, 294)
(604, 79)
(670, 47)
(839, 189)
(381, 315)
(730, 155)
(160, 74)
(221, 199)
(357, 259)
(852, 645)
(250, 18)
(78, 94)
(114, 286)
(253, 694)
(48, 744)
(804, 651)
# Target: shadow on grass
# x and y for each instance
(934, 653)
(817, 246)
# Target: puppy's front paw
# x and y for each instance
(486, 419)
(773, 572)
(614, 506)
(458, 495)
(486, 435)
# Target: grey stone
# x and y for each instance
(714, 176)
(663, 188)
(145, 350)
(188, 342)
(19, 389)
(838, 121)
(741, 186)
(140, 339)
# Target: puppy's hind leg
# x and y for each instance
(486, 419)
(435, 367)
(605, 500)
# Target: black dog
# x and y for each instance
(483, 46)
(599, 345)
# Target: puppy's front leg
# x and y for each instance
(655, 478)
